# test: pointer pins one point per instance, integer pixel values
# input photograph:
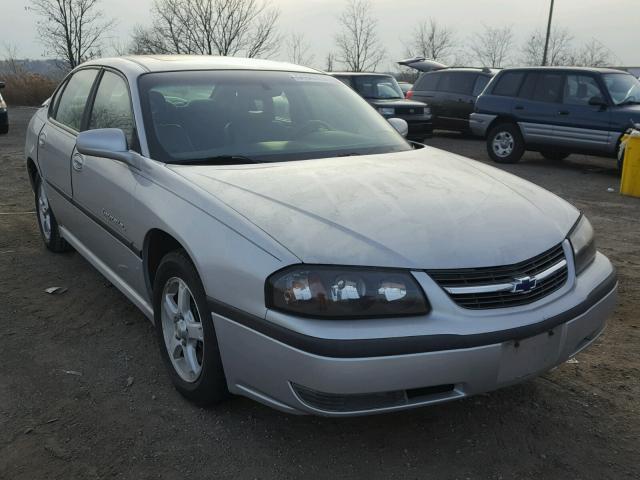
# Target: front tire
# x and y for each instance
(505, 143)
(47, 223)
(185, 330)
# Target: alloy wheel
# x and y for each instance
(503, 144)
(182, 329)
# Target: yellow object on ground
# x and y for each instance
(630, 182)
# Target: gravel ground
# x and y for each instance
(83, 393)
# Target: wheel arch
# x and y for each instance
(503, 119)
(157, 243)
(32, 171)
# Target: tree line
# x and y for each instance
(74, 31)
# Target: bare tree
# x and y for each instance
(298, 49)
(330, 62)
(432, 41)
(560, 48)
(210, 27)
(492, 47)
(72, 30)
(593, 54)
(358, 44)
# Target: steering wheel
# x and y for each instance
(312, 126)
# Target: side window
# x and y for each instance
(579, 89)
(112, 106)
(508, 84)
(528, 86)
(428, 81)
(481, 82)
(74, 98)
(548, 87)
(457, 82)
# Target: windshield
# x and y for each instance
(241, 116)
(377, 87)
(623, 88)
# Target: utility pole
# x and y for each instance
(546, 42)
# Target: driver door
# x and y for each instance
(104, 188)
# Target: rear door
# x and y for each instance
(537, 105)
(457, 88)
(579, 125)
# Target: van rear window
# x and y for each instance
(508, 84)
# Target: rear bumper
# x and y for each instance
(479, 123)
(295, 377)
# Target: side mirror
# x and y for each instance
(106, 143)
(597, 101)
(401, 126)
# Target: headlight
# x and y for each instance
(583, 244)
(387, 111)
(344, 292)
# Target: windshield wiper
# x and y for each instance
(221, 160)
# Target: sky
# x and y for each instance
(614, 23)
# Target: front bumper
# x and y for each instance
(420, 126)
(309, 375)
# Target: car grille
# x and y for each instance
(409, 110)
(465, 286)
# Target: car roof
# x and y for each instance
(172, 63)
(358, 74)
(566, 69)
(486, 70)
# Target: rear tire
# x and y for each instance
(505, 143)
(47, 223)
(554, 155)
(186, 334)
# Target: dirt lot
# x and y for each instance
(67, 411)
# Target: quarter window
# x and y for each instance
(112, 106)
(508, 84)
(579, 89)
(428, 81)
(74, 99)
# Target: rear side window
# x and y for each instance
(346, 80)
(508, 84)
(112, 106)
(74, 98)
(428, 81)
(457, 82)
(481, 82)
(579, 89)
(548, 87)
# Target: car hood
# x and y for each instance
(423, 208)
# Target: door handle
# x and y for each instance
(519, 107)
(563, 112)
(42, 138)
(77, 162)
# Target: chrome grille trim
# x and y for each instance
(505, 286)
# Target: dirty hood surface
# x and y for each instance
(424, 208)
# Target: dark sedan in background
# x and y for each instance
(4, 115)
(383, 92)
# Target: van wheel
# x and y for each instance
(505, 143)
(47, 221)
(554, 155)
(186, 335)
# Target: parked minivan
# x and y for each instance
(556, 111)
(451, 93)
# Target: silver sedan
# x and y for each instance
(291, 246)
